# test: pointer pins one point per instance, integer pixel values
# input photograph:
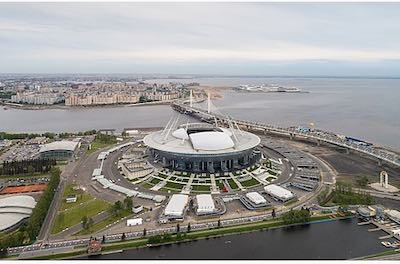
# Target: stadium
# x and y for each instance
(203, 148)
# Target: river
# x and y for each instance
(342, 239)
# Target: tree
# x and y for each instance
(128, 203)
(178, 228)
(273, 213)
(103, 240)
(117, 208)
(219, 223)
(123, 237)
(188, 227)
(89, 223)
(84, 221)
(144, 232)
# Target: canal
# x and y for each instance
(342, 239)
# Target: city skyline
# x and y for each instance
(342, 39)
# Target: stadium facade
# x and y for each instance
(203, 148)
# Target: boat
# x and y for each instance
(268, 88)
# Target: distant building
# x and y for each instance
(58, 150)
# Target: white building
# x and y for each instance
(279, 192)
(256, 198)
(205, 204)
(134, 221)
(137, 209)
(176, 206)
(71, 198)
(14, 209)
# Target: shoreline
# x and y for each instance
(64, 107)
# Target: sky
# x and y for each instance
(339, 39)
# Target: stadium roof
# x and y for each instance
(201, 139)
(211, 141)
(14, 209)
(278, 192)
(176, 205)
(256, 198)
(205, 203)
(59, 145)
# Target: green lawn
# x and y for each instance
(155, 181)
(147, 185)
(98, 143)
(272, 172)
(233, 184)
(220, 185)
(173, 185)
(74, 215)
(249, 183)
(102, 224)
(201, 188)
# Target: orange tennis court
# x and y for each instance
(24, 189)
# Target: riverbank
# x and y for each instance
(193, 236)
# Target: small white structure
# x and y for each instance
(176, 206)
(383, 185)
(279, 192)
(205, 204)
(137, 209)
(134, 221)
(103, 155)
(384, 179)
(71, 198)
(96, 172)
(256, 198)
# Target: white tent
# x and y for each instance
(205, 204)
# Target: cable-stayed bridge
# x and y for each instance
(213, 115)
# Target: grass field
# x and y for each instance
(82, 197)
(249, 183)
(173, 185)
(96, 145)
(74, 215)
(201, 188)
(102, 224)
(155, 181)
(232, 184)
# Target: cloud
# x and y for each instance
(196, 33)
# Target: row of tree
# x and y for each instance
(26, 166)
(10, 136)
(29, 231)
(79, 134)
(345, 195)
